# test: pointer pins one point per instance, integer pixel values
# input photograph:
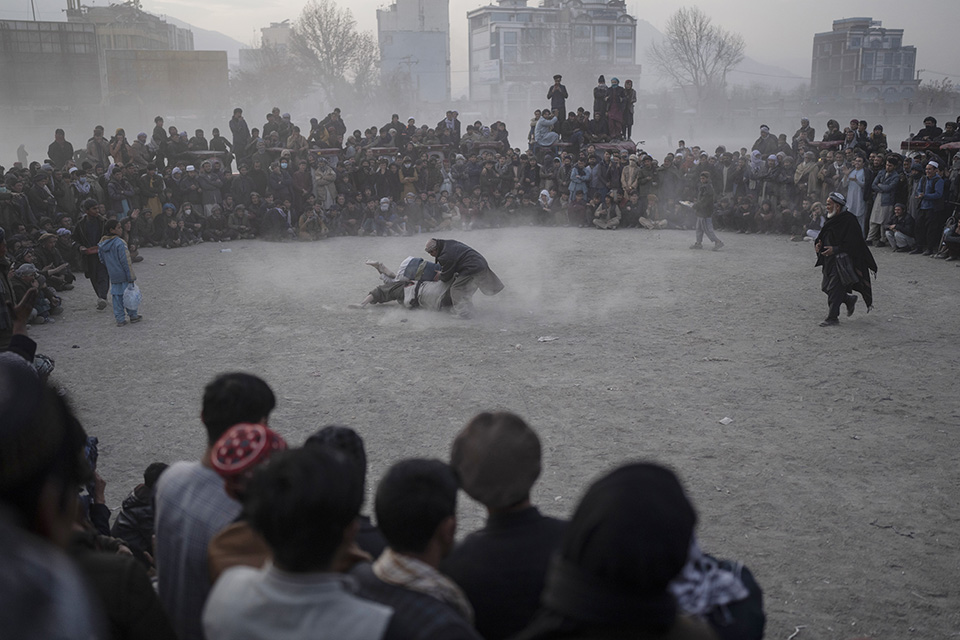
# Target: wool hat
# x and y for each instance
(838, 198)
(190, 167)
(26, 269)
(242, 447)
(497, 456)
(45, 236)
(63, 231)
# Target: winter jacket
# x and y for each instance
(116, 257)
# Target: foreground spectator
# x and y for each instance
(416, 509)
(41, 469)
(236, 456)
(503, 566)
(192, 507)
(629, 537)
(304, 504)
(134, 523)
(348, 442)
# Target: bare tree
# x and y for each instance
(272, 78)
(366, 67)
(326, 41)
(696, 54)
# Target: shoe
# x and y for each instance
(869, 243)
(916, 251)
(136, 319)
(927, 252)
(68, 287)
(851, 304)
(122, 324)
(830, 322)
(696, 245)
(882, 244)
(137, 259)
(939, 256)
(950, 259)
(101, 304)
(717, 245)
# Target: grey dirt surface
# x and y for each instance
(836, 481)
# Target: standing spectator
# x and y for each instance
(115, 256)
(600, 99)
(158, 142)
(60, 151)
(629, 100)
(416, 508)
(192, 506)
(766, 144)
(241, 134)
(98, 149)
(557, 95)
(89, 230)
(503, 566)
(704, 210)
(304, 504)
(931, 213)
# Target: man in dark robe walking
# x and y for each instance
(846, 260)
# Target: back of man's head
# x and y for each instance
(232, 398)
(413, 498)
(302, 501)
(41, 451)
(152, 473)
(343, 439)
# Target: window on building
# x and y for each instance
(601, 32)
(826, 48)
(510, 48)
(602, 50)
(524, 17)
(854, 42)
(500, 16)
(624, 51)
(624, 32)
(509, 37)
(479, 22)
(581, 31)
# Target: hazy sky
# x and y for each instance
(778, 32)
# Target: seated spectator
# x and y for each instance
(134, 523)
(236, 456)
(348, 442)
(304, 504)
(192, 506)
(951, 242)
(416, 507)
(502, 567)
(629, 538)
(41, 468)
(930, 131)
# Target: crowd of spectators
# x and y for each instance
(260, 539)
(578, 169)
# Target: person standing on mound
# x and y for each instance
(845, 258)
(466, 271)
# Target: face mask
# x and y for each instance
(187, 211)
(283, 165)
(406, 164)
(384, 207)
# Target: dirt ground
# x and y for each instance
(836, 481)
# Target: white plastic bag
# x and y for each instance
(132, 297)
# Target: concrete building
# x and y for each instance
(174, 80)
(414, 39)
(276, 38)
(516, 49)
(48, 64)
(862, 61)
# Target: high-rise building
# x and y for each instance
(515, 49)
(414, 39)
(274, 46)
(861, 60)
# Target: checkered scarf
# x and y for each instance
(410, 573)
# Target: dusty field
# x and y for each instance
(836, 481)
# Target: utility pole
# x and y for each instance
(33, 7)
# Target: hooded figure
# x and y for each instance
(845, 258)
(115, 256)
(629, 538)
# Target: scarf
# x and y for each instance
(410, 573)
(703, 584)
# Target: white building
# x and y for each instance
(516, 49)
(414, 38)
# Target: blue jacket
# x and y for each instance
(114, 254)
(931, 191)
